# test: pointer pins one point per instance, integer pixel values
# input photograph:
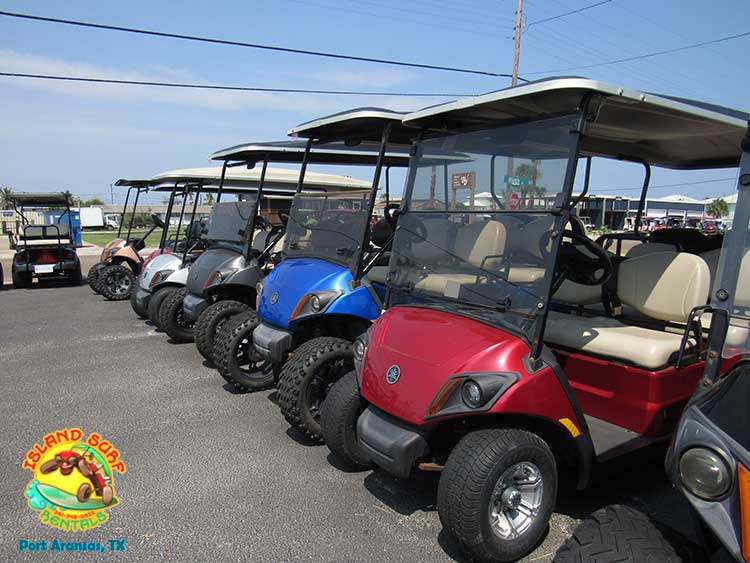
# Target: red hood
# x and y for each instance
(429, 346)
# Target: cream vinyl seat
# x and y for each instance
(663, 285)
(478, 242)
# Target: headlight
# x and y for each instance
(471, 393)
(218, 277)
(704, 473)
(314, 303)
(359, 350)
(159, 277)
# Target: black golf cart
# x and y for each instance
(43, 250)
(709, 458)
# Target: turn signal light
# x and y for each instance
(442, 396)
(743, 475)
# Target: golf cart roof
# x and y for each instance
(131, 183)
(359, 124)
(329, 153)
(26, 199)
(278, 181)
(627, 124)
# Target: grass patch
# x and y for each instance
(101, 239)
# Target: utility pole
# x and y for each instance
(516, 57)
(517, 52)
(112, 194)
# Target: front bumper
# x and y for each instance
(272, 343)
(390, 443)
(142, 297)
(193, 306)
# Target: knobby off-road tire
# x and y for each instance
(307, 377)
(210, 322)
(474, 481)
(154, 304)
(617, 533)
(115, 282)
(236, 358)
(172, 319)
(338, 422)
(141, 312)
(93, 277)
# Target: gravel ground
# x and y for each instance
(214, 475)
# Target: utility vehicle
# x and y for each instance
(223, 283)
(709, 458)
(326, 291)
(43, 250)
(169, 256)
(120, 261)
(242, 245)
(497, 362)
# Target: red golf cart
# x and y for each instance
(515, 349)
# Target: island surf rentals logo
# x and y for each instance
(73, 485)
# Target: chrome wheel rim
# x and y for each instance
(516, 500)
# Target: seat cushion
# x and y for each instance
(608, 337)
(437, 283)
(378, 274)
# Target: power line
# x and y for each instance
(231, 88)
(251, 45)
(558, 16)
(645, 56)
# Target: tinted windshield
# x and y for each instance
(231, 221)
(328, 225)
(731, 283)
(477, 235)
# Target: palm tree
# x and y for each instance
(5, 198)
(531, 173)
(718, 208)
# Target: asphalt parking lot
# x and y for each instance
(213, 475)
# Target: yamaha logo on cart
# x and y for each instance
(274, 297)
(393, 374)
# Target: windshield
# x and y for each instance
(477, 233)
(231, 221)
(329, 226)
(730, 286)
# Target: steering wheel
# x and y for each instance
(283, 217)
(157, 220)
(390, 216)
(276, 234)
(580, 267)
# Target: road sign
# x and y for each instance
(516, 181)
(463, 180)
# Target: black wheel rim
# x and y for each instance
(250, 362)
(320, 385)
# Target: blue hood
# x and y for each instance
(294, 278)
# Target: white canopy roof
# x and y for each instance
(278, 180)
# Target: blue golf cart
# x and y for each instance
(330, 285)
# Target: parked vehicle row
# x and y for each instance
(501, 347)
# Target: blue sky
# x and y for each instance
(82, 137)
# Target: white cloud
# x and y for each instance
(307, 104)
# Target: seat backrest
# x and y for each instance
(53, 229)
(664, 285)
(649, 248)
(478, 240)
(31, 232)
(574, 293)
(439, 236)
